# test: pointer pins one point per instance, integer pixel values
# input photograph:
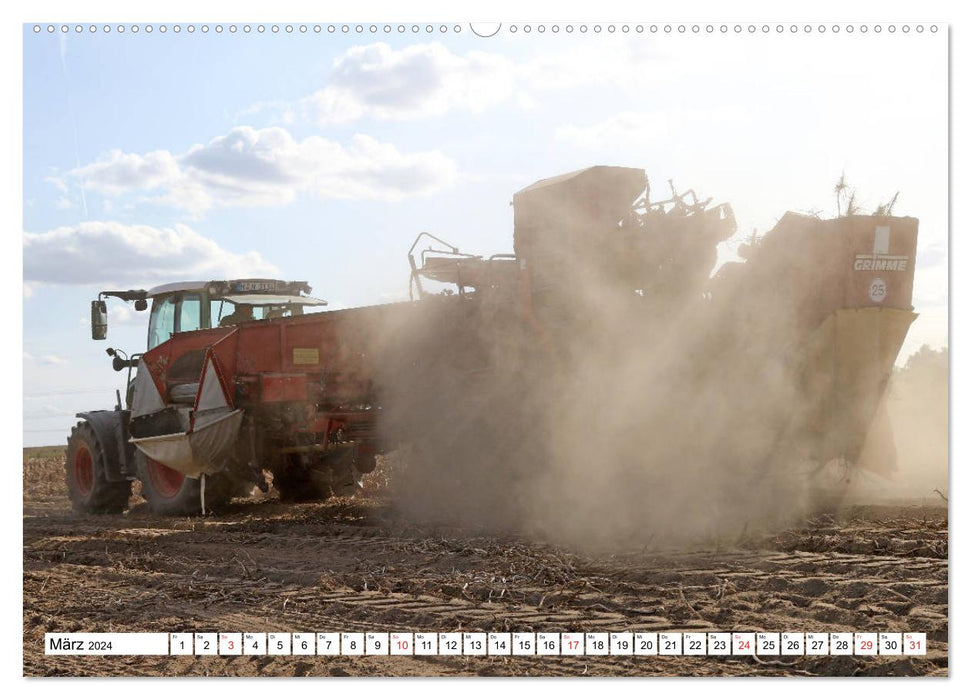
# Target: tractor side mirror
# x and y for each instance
(99, 319)
(140, 305)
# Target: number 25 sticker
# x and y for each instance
(878, 290)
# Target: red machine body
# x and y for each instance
(307, 376)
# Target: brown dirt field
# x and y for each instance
(354, 565)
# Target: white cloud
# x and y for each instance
(106, 252)
(423, 79)
(119, 172)
(121, 314)
(375, 81)
(64, 203)
(266, 167)
(58, 182)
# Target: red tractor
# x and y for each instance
(102, 462)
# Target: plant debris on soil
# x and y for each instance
(354, 565)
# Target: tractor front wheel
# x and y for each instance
(88, 486)
(170, 492)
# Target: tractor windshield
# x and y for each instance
(161, 325)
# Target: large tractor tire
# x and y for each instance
(87, 481)
(170, 492)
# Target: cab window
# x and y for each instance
(190, 313)
(161, 325)
(220, 309)
(278, 311)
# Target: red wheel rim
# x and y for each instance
(166, 482)
(83, 470)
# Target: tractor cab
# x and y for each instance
(190, 306)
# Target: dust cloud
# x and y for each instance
(917, 409)
(632, 399)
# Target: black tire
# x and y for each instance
(334, 475)
(297, 484)
(168, 492)
(86, 475)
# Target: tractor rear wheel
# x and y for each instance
(170, 492)
(88, 486)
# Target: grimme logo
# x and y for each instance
(881, 263)
(880, 259)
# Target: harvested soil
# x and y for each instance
(354, 565)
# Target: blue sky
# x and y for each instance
(159, 157)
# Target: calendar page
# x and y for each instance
(409, 346)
